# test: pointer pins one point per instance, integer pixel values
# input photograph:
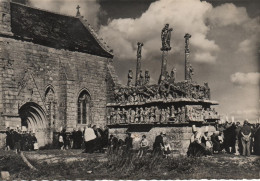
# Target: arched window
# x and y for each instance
(51, 105)
(84, 108)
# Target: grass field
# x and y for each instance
(72, 164)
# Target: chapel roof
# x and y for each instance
(56, 30)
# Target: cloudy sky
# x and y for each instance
(224, 44)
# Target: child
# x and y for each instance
(167, 149)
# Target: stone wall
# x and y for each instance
(179, 137)
(28, 69)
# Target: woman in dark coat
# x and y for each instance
(257, 140)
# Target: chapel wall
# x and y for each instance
(66, 71)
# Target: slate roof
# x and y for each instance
(56, 30)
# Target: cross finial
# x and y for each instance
(78, 13)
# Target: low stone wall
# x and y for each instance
(178, 136)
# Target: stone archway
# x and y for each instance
(34, 118)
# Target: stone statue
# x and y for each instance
(141, 113)
(157, 113)
(132, 116)
(190, 72)
(163, 116)
(141, 78)
(167, 114)
(173, 75)
(147, 77)
(151, 114)
(166, 38)
(139, 49)
(172, 112)
(130, 78)
(146, 115)
(112, 116)
(137, 115)
(187, 37)
(207, 90)
(128, 115)
(123, 118)
(118, 116)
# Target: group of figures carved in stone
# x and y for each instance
(167, 90)
(141, 80)
(197, 113)
(155, 114)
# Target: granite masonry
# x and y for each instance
(54, 72)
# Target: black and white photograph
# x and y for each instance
(129, 89)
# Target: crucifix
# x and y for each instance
(78, 13)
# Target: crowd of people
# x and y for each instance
(19, 140)
(231, 138)
(160, 147)
(92, 138)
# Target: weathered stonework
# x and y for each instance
(29, 69)
(179, 137)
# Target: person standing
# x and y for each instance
(246, 133)
(128, 143)
(144, 146)
(89, 138)
(158, 145)
(8, 139)
(74, 138)
(17, 140)
(257, 140)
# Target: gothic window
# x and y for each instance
(84, 108)
(51, 105)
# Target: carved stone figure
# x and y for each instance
(132, 116)
(139, 49)
(163, 116)
(166, 38)
(147, 77)
(146, 115)
(123, 116)
(173, 75)
(118, 116)
(157, 114)
(141, 113)
(141, 78)
(172, 112)
(190, 72)
(128, 115)
(167, 114)
(137, 115)
(112, 116)
(207, 91)
(130, 78)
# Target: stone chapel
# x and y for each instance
(54, 71)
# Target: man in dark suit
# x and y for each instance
(158, 144)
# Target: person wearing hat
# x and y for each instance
(158, 145)
(89, 138)
(246, 133)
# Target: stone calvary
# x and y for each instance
(56, 72)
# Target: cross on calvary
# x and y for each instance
(78, 13)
